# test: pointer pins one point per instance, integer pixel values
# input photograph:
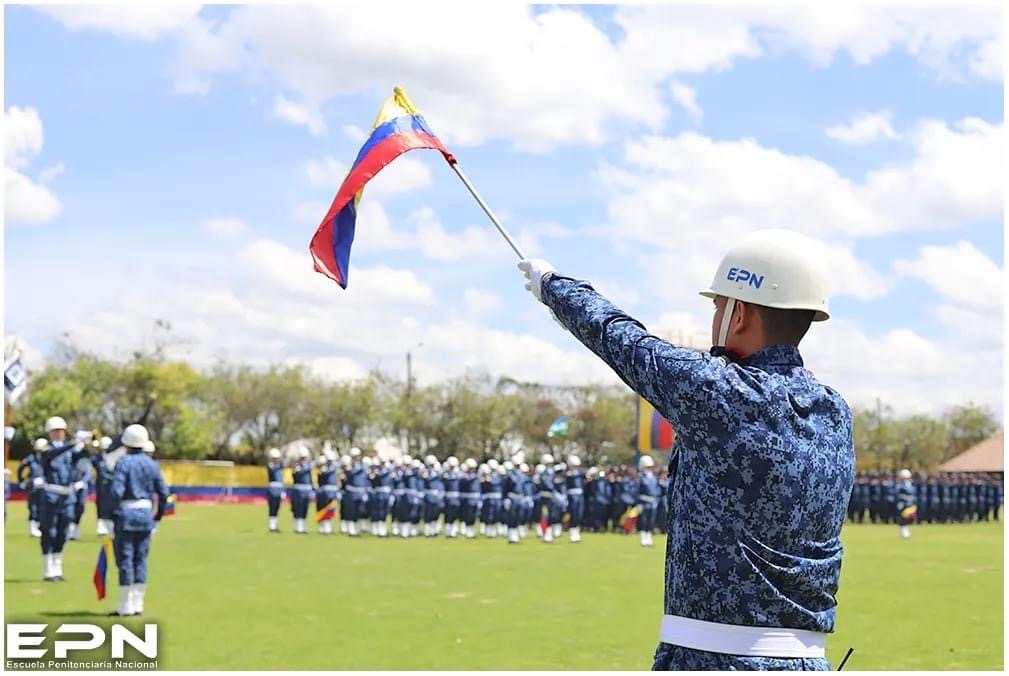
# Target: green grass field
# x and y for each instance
(228, 595)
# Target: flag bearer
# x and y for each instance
(765, 459)
(326, 492)
(136, 481)
(434, 496)
(648, 499)
(905, 502)
(274, 487)
(56, 505)
(544, 489)
(301, 490)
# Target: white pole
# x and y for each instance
(486, 210)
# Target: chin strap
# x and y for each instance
(723, 330)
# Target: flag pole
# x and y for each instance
(486, 209)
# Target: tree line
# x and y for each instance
(237, 412)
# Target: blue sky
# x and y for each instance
(179, 161)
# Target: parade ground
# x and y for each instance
(225, 592)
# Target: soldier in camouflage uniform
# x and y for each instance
(762, 465)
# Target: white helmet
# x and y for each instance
(366, 461)
(452, 461)
(540, 468)
(41, 444)
(148, 447)
(774, 268)
(274, 454)
(135, 436)
(330, 455)
(304, 453)
(355, 452)
(574, 461)
(524, 468)
(430, 460)
(471, 463)
(345, 460)
(904, 474)
(547, 459)
(55, 423)
(322, 459)
(508, 465)
(492, 463)
(104, 443)
(436, 465)
(417, 464)
(646, 461)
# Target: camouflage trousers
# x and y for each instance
(676, 658)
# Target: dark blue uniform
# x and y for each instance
(355, 493)
(28, 471)
(598, 496)
(274, 487)
(648, 501)
(301, 490)
(137, 480)
(327, 491)
(575, 490)
(381, 492)
(754, 439)
(453, 502)
(59, 472)
(434, 498)
(469, 493)
(103, 485)
(490, 501)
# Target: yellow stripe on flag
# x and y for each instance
(644, 426)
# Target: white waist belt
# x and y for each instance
(276, 484)
(733, 639)
(58, 488)
(136, 504)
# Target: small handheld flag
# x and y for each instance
(655, 433)
(559, 427)
(629, 518)
(544, 518)
(909, 513)
(326, 514)
(101, 568)
(397, 129)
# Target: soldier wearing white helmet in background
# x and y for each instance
(301, 490)
(364, 515)
(29, 477)
(327, 492)
(82, 482)
(355, 493)
(136, 482)
(382, 480)
(434, 497)
(544, 480)
(275, 493)
(750, 420)
(401, 504)
(648, 499)
(343, 476)
(907, 507)
(511, 505)
(60, 484)
(528, 500)
(469, 495)
(575, 483)
(104, 465)
(450, 478)
(415, 496)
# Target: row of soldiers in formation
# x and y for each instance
(938, 498)
(131, 498)
(430, 498)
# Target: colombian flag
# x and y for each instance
(326, 514)
(170, 505)
(655, 433)
(397, 129)
(629, 518)
(101, 568)
(544, 518)
(909, 513)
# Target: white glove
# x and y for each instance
(535, 269)
(79, 485)
(154, 530)
(38, 481)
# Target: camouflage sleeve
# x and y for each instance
(161, 488)
(673, 379)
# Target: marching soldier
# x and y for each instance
(415, 496)
(434, 496)
(343, 479)
(575, 491)
(490, 500)
(326, 492)
(136, 481)
(59, 462)
(528, 500)
(558, 500)
(82, 480)
(355, 493)
(401, 506)
(544, 479)
(599, 504)
(628, 494)
(274, 488)
(469, 493)
(648, 500)
(453, 503)
(29, 476)
(301, 490)
(511, 489)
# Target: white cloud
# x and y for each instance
(22, 135)
(306, 115)
(864, 129)
(354, 133)
(481, 302)
(225, 227)
(25, 201)
(687, 98)
(137, 20)
(959, 273)
(51, 172)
